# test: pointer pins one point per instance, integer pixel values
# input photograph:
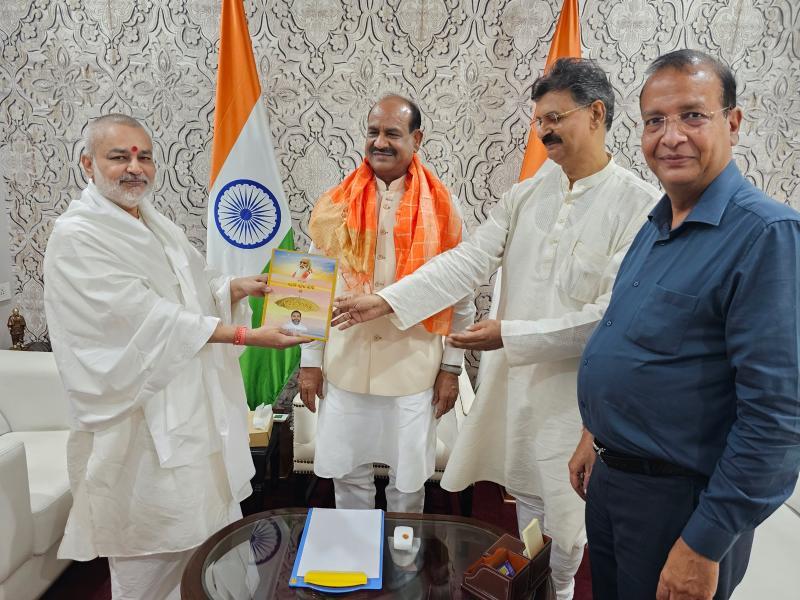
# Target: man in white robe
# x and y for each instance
(386, 388)
(141, 330)
(560, 237)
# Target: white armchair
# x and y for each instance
(305, 432)
(34, 487)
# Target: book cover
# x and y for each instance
(303, 287)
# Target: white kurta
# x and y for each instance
(378, 407)
(158, 458)
(560, 250)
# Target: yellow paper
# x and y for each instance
(336, 578)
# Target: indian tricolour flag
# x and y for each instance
(247, 211)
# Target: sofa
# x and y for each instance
(34, 488)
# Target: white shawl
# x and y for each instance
(130, 306)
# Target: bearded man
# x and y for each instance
(142, 334)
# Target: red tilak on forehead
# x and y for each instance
(134, 149)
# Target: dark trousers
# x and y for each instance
(632, 522)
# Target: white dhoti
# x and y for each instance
(355, 430)
(150, 577)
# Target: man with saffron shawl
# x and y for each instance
(560, 237)
(381, 389)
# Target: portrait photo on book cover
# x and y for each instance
(303, 287)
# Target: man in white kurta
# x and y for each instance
(560, 237)
(386, 388)
(158, 457)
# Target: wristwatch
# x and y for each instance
(454, 369)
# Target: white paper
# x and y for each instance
(343, 540)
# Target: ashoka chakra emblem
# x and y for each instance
(265, 540)
(246, 213)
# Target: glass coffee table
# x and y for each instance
(253, 558)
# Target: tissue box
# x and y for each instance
(482, 579)
(258, 437)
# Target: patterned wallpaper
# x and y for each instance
(469, 63)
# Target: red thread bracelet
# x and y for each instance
(238, 336)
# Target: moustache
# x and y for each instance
(133, 179)
(382, 152)
(551, 138)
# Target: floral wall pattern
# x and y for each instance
(469, 63)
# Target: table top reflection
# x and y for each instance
(253, 558)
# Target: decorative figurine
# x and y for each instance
(16, 327)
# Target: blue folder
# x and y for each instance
(374, 583)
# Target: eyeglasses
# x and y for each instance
(687, 121)
(552, 119)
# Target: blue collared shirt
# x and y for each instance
(696, 359)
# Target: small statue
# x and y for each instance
(16, 327)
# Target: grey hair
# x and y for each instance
(689, 60)
(583, 78)
(95, 126)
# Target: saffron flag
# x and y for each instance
(566, 42)
(247, 211)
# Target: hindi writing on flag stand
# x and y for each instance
(301, 300)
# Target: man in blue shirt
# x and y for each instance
(689, 386)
